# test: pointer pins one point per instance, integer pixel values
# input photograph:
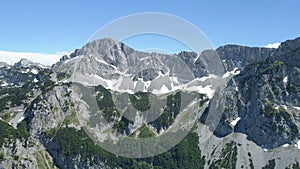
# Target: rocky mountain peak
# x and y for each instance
(244, 54)
(23, 63)
(99, 47)
(289, 46)
(27, 63)
(3, 64)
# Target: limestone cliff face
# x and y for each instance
(39, 108)
(265, 95)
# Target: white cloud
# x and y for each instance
(272, 45)
(45, 59)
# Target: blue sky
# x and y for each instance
(64, 25)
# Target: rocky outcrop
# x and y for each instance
(27, 63)
(264, 95)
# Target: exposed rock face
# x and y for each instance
(260, 82)
(23, 62)
(3, 64)
(27, 63)
(146, 75)
(109, 55)
(209, 62)
(241, 56)
(261, 102)
(113, 62)
(64, 58)
(257, 93)
(288, 47)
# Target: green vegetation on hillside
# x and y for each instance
(275, 66)
(143, 132)
(8, 132)
(73, 142)
(140, 101)
(2, 157)
(170, 112)
(62, 75)
(270, 111)
(71, 118)
(296, 165)
(122, 125)
(106, 104)
(16, 96)
(292, 88)
(228, 157)
(18, 93)
(281, 113)
(270, 165)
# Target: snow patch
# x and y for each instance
(108, 83)
(16, 120)
(34, 71)
(74, 59)
(284, 106)
(235, 121)
(35, 80)
(64, 81)
(21, 119)
(170, 84)
(285, 145)
(25, 71)
(68, 60)
(203, 90)
(298, 144)
(297, 108)
(234, 72)
(105, 63)
(204, 78)
(4, 84)
(163, 90)
(285, 79)
(226, 75)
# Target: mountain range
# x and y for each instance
(246, 112)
